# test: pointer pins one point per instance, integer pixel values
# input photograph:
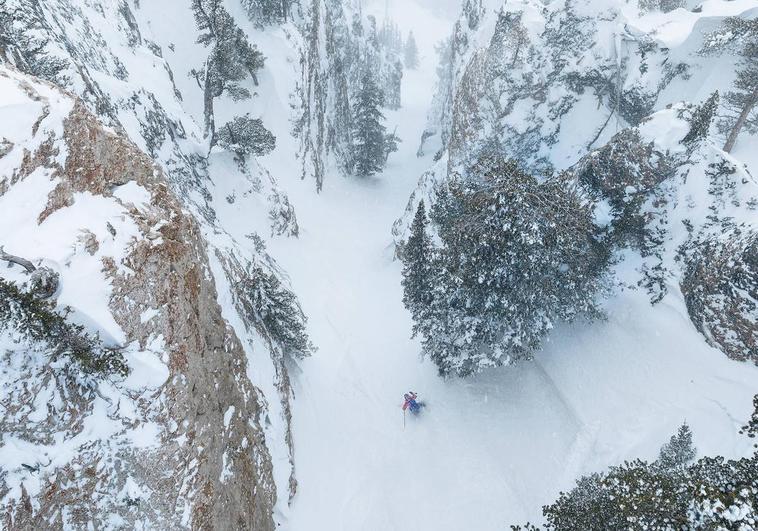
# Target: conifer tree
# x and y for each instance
(518, 254)
(35, 319)
(25, 52)
(711, 493)
(246, 136)
(231, 59)
(740, 35)
(277, 309)
(417, 259)
(266, 12)
(679, 451)
(751, 428)
(411, 53)
(700, 121)
(370, 132)
(745, 98)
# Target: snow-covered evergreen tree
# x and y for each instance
(417, 259)
(369, 130)
(741, 36)
(517, 256)
(679, 451)
(411, 52)
(246, 136)
(701, 119)
(662, 5)
(231, 59)
(268, 11)
(340, 45)
(390, 37)
(20, 48)
(712, 493)
(393, 79)
(278, 310)
(30, 317)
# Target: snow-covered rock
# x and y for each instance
(145, 451)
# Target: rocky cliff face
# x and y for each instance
(180, 442)
(128, 64)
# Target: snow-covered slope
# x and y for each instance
(491, 450)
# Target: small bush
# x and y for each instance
(37, 320)
(246, 136)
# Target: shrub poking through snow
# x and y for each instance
(670, 493)
(751, 428)
(517, 255)
(37, 320)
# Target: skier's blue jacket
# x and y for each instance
(410, 402)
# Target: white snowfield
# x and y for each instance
(488, 451)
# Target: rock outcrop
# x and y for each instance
(179, 443)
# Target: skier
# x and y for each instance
(412, 403)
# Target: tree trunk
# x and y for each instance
(732, 139)
(26, 264)
(210, 121)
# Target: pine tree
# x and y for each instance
(390, 37)
(231, 59)
(411, 53)
(740, 34)
(25, 52)
(679, 451)
(417, 259)
(265, 12)
(662, 5)
(246, 136)
(276, 308)
(700, 121)
(392, 76)
(518, 254)
(370, 132)
(745, 98)
(712, 493)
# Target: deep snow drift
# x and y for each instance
(491, 450)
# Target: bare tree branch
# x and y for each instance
(26, 264)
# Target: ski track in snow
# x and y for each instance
(491, 450)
